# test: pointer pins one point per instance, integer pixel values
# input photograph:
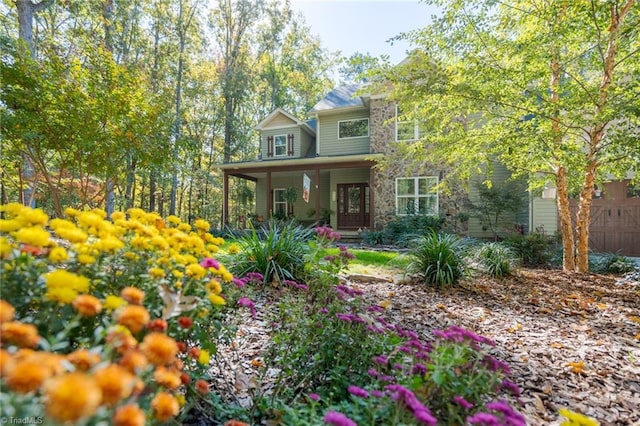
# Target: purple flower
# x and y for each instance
(494, 364)
(357, 391)
(239, 282)
(419, 370)
(462, 402)
(254, 277)
(247, 303)
(377, 393)
(314, 396)
(484, 419)
(511, 387)
(420, 412)
(375, 308)
(380, 359)
(336, 418)
(511, 417)
(373, 372)
(323, 311)
(209, 262)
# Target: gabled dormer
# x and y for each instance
(283, 136)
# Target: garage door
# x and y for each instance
(615, 220)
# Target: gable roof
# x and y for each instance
(340, 97)
(279, 113)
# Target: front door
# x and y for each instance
(353, 205)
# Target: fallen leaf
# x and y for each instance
(386, 304)
(576, 366)
(557, 345)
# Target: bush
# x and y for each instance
(610, 263)
(495, 259)
(403, 229)
(276, 251)
(438, 258)
(534, 249)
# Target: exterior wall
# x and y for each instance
(544, 216)
(306, 142)
(383, 133)
(297, 147)
(328, 131)
(261, 198)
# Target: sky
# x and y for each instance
(364, 26)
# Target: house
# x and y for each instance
(330, 161)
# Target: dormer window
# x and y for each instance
(353, 128)
(280, 145)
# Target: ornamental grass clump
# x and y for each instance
(495, 259)
(438, 258)
(108, 321)
(276, 251)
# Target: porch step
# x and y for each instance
(350, 237)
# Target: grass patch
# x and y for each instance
(387, 259)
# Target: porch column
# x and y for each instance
(317, 195)
(269, 196)
(372, 175)
(225, 199)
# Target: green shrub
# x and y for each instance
(405, 229)
(610, 263)
(438, 258)
(276, 251)
(533, 249)
(373, 238)
(495, 259)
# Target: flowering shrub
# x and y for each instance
(107, 320)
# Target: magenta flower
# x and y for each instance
(462, 402)
(484, 419)
(209, 262)
(247, 303)
(357, 391)
(336, 418)
(314, 396)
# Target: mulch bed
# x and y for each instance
(572, 340)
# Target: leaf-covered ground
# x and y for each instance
(573, 341)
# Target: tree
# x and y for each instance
(546, 87)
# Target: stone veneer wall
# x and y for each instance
(382, 136)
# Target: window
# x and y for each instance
(280, 145)
(353, 128)
(406, 129)
(279, 203)
(417, 195)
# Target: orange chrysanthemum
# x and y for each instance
(87, 305)
(236, 423)
(19, 334)
(52, 361)
(165, 406)
(27, 376)
(167, 378)
(71, 397)
(7, 363)
(133, 295)
(157, 324)
(159, 348)
(121, 340)
(134, 361)
(115, 382)
(133, 317)
(7, 311)
(129, 415)
(202, 386)
(82, 359)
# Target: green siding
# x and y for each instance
(544, 215)
(328, 131)
(297, 151)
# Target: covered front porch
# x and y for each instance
(314, 191)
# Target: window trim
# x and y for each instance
(416, 128)
(285, 146)
(417, 196)
(354, 137)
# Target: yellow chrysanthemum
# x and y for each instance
(202, 225)
(58, 223)
(61, 278)
(34, 235)
(99, 212)
(159, 242)
(89, 221)
(112, 302)
(5, 247)
(214, 286)
(73, 235)
(576, 419)
(71, 212)
(204, 357)
(131, 255)
(175, 220)
(61, 295)
(9, 225)
(115, 216)
(12, 209)
(233, 248)
(33, 217)
(216, 300)
(184, 227)
(86, 259)
(194, 270)
(177, 274)
(157, 273)
(58, 255)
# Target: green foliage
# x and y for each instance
(495, 259)
(403, 229)
(534, 249)
(438, 258)
(610, 263)
(276, 251)
(497, 202)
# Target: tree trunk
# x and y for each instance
(564, 213)
(107, 17)
(584, 217)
